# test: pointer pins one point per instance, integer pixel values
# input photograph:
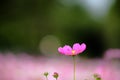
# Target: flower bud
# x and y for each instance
(46, 74)
(55, 75)
(97, 76)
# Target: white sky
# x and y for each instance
(96, 8)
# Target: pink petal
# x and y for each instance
(67, 50)
(60, 49)
(83, 47)
(76, 47)
(79, 48)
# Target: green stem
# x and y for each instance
(74, 66)
(46, 78)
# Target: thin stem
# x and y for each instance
(74, 66)
(46, 78)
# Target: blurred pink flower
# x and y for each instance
(76, 49)
(26, 67)
(112, 54)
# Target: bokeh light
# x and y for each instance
(49, 45)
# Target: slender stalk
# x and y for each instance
(74, 67)
(46, 78)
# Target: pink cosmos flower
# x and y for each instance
(76, 49)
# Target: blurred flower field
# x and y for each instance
(26, 67)
(32, 31)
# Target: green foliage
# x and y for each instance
(23, 23)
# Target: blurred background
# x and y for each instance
(32, 30)
(39, 27)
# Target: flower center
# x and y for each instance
(73, 52)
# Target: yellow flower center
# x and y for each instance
(73, 52)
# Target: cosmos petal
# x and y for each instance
(79, 48)
(60, 49)
(83, 47)
(76, 47)
(67, 50)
